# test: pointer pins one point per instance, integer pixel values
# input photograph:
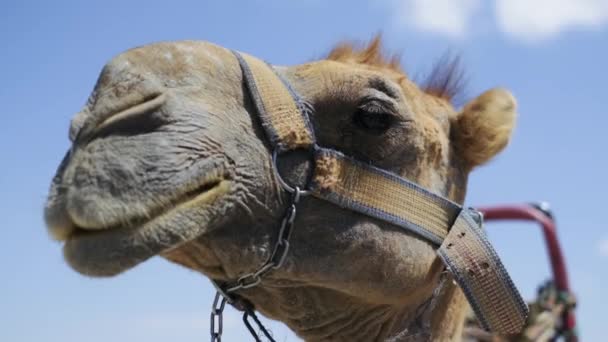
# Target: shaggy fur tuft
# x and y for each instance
(327, 170)
(446, 80)
(372, 54)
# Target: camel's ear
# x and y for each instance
(484, 126)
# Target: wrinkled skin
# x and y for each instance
(169, 159)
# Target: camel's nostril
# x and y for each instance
(133, 120)
(123, 91)
(125, 116)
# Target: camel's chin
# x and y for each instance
(104, 253)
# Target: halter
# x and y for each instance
(456, 232)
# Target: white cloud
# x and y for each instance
(603, 247)
(527, 20)
(538, 19)
(449, 17)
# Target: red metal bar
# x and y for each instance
(530, 212)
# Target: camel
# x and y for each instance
(170, 159)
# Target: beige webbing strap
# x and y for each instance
(280, 110)
(468, 255)
(375, 192)
(465, 251)
(360, 187)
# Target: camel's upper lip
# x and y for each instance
(62, 228)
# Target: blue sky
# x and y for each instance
(551, 54)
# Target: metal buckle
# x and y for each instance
(476, 215)
(222, 292)
(284, 185)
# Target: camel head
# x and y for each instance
(169, 158)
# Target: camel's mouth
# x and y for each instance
(203, 194)
(111, 250)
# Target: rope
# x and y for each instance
(545, 322)
(249, 312)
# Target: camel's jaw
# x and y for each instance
(112, 250)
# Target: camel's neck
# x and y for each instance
(317, 314)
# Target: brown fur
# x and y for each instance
(484, 127)
(326, 170)
(445, 80)
(371, 54)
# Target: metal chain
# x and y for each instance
(275, 261)
(217, 316)
(279, 254)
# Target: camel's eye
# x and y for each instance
(373, 121)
